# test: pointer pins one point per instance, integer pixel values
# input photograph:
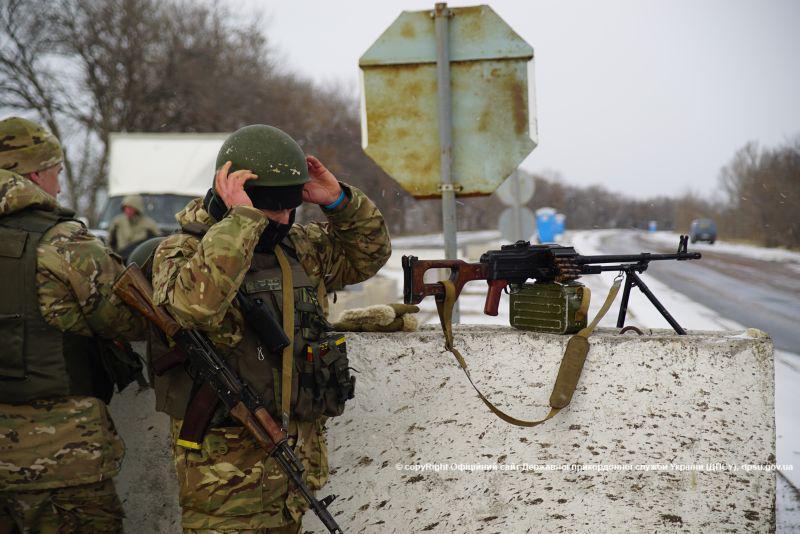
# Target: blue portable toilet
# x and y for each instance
(652, 226)
(561, 221)
(546, 225)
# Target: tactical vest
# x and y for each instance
(37, 360)
(321, 381)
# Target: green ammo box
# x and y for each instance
(551, 308)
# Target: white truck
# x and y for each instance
(167, 170)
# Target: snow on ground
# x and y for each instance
(747, 251)
(436, 240)
(641, 313)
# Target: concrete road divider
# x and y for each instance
(665, 433)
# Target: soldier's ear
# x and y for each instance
(35, 178)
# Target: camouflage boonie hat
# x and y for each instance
(26, 147)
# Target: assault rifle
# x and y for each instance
(515, 264)
(216, 376)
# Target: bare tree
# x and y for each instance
(29, 44)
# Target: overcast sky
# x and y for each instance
(646, 97)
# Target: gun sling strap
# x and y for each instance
(288, 328)
(571, 364)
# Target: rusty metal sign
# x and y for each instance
(491, 94)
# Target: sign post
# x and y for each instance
(448, 188)
(445, 105)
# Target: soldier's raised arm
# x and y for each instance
(352, 246)
(197, 279)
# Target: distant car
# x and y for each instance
(703, 230)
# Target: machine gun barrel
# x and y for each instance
(634, 258)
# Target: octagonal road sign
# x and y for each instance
(491, 94)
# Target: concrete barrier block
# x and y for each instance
(668, 402)
(660, 428)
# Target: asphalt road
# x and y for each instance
(754, 293)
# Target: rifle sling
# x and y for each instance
(568, 373)
(287, 288)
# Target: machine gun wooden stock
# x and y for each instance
(216, 376)
(515, 264)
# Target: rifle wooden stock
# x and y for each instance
(133, 288)
(461, 272)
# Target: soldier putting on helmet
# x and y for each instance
(240, 239)
(58, 447)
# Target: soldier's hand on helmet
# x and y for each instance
(230, 187)
(323, 188)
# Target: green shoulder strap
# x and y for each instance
(288, 328)
(571, 364)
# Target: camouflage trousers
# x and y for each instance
(231, 485)
(77, 509)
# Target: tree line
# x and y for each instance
(87, 68)
(758, 200)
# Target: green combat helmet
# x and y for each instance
(26, 147)
(275, 158)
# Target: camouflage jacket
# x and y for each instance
(67, 441)
(198, 279)
(124, 232)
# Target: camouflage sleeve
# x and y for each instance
(75, 272)
(347, 249)
(197, 280)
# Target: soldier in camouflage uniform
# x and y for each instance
(228, 484)
(58, 446)
(131, 227)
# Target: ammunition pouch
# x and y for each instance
(324, 380)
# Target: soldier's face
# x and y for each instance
(47, 179)
(280, 216)
(129, 211)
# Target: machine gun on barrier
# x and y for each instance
(221, 383)
(515, 264)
